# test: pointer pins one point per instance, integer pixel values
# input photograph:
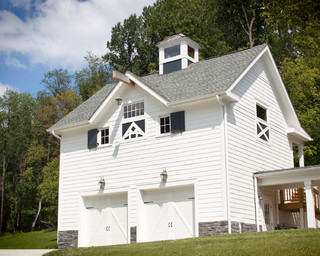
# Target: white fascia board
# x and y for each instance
(295, 175)
(283, 93)
(58, 130)
(227, 97)
(106, 101)
(146, 88)
(247, 69)
(196, 98)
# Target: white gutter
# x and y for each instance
(223, 96)
(56, 135)
(226, 165)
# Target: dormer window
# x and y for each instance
(172, 51)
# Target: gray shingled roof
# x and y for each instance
(205, 77)
(84, 111)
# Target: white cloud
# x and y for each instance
(14, 62)
(61, 32)
(5, 87)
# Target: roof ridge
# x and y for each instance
(210, 58)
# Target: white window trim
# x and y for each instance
(99, 137)
(159, 134)
(258, 119)
(129, 102)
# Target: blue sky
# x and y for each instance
(37, 36)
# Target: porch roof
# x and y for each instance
(288, 178)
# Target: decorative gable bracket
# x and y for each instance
(122, 77)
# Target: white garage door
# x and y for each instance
(106, 220)
(168, 214)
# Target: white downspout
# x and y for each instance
(225, 128)
(56, 135)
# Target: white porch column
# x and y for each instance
(301, 155)
(256, 197)
(311, 217)
(301, 216)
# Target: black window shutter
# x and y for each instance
(177, 122)
(92, 138)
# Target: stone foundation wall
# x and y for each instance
(221, 227)
(133, 235)
(68, 239)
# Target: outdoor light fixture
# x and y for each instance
(119, 100)
(260, 197)
(164, 175)
(102, 183)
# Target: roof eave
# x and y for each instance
(227, 97)
(298, 136)
(64, 127)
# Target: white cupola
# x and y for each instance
(177, 52)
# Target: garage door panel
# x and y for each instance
(97, 219)
(183, 226)
(106, 220)
(118, 226)
(169, 214)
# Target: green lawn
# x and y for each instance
(282, 243)
(44, 239)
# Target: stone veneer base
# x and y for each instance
(67, 239)
(221, 227)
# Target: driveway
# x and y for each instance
(27, 252)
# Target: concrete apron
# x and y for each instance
(24, 252)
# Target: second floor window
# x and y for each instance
(134, 109)
(165, 124)
(262, 123)
(104, 136)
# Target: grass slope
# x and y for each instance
(273, 243)
(44, 239)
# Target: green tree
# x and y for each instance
(92, 78)
(57, 81)
(17, 112)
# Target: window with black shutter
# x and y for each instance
(92, 138)
(177, 122)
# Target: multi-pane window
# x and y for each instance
(165, 124)
(104, 136)
(135, 109)
(262, 124)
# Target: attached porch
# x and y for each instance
(288, 198)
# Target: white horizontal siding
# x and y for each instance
(194, 154)
(247, 153)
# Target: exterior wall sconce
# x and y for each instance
(260, 197)
(102, 183)
(164, 175)
(119, 101)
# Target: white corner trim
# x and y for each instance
(146, 88)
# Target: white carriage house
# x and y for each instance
(200, 148)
